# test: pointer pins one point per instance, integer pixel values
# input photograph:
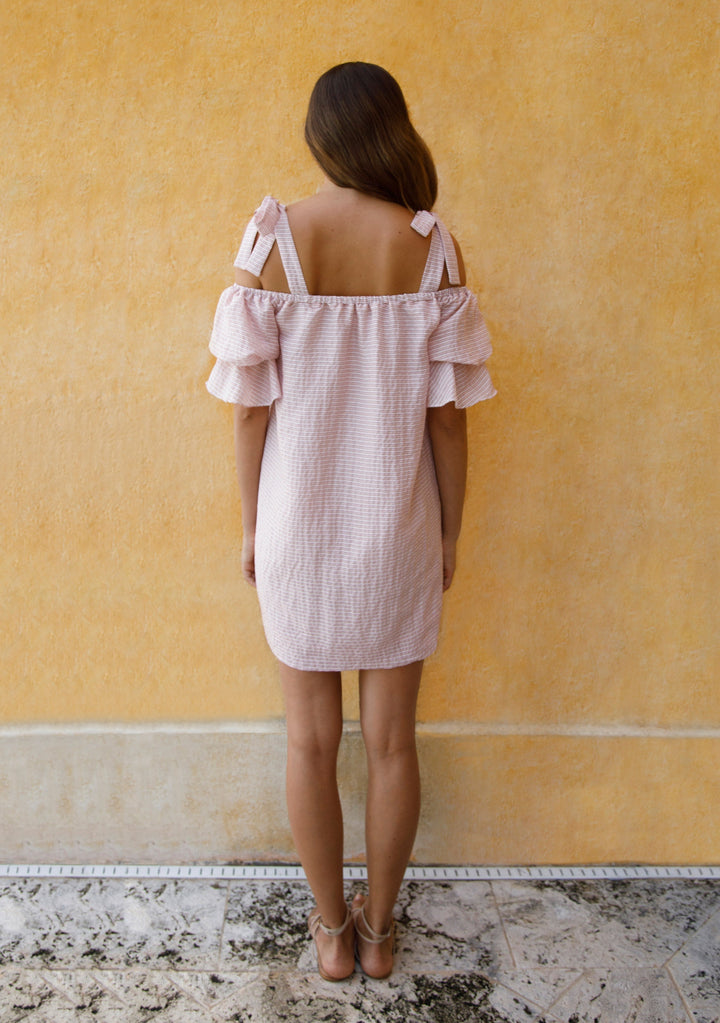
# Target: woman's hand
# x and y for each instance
(448, 549)
(248, 558)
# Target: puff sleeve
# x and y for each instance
(245, 343)
(458, 349)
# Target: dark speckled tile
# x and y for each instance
(265, 924)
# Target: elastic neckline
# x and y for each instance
(410, 296)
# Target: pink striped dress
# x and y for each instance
(348, 558)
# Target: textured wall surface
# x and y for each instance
(577, 149)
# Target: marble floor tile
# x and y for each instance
(541, 987)
(455, 998)
(130, 951)
(27, 995)
(265, 925)
(696, 970)
(450, 927)
(140, 995)
(137, 996)
(512, 1007)
(600, 924)
(441, 927)
(106, 922)
(617, 995)
(214, 990)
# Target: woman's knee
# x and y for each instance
(313, 713)
(388, 701)
(318, 745)
(391, 740)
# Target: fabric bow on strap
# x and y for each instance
(423, 222)
(267, 216)
(251, 256)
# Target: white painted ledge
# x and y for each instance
(440, 728)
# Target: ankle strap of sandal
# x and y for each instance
(372, 936)
(315, 921)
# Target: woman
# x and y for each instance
(351, 348)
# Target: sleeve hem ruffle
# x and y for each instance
(245, 343)
(458, 349)
(245, 385)
(455, 382)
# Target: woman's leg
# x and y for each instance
(313, 706)
(388, 698)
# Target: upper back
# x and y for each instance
(352, 244)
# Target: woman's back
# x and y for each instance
(352, 244)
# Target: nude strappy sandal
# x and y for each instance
(371, 937)
(314, 925)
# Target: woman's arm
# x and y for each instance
(250, 428)
(448, 438)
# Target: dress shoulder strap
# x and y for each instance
(270, 223)
(289, 256)
(441, 254)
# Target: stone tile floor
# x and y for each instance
(175, 951)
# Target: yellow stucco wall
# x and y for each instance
(577, 153)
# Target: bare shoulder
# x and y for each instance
(246, 279)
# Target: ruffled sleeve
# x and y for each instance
(245, 343)
(458, 349)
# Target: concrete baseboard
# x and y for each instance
(215, 794)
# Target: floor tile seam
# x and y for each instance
(525, 998)
(189, 995)
(690, 1018)
(138, 968)
(527, 1001)
(73, 1002)
(115, 995)
(502, 924)
(681, 994)
(169, 975)
(224, 921)
(695, 934)
(58, 991)
(582, 973)
(275, 970)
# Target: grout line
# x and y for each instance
(690, 1014)
(528, 1001)
(698, 928)
(582, 972)
(355, 872)
(502, 924)
(222, 927)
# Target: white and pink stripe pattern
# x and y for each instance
(348, 558)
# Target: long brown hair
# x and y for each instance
(359, 131)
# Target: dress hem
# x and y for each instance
(399, 662)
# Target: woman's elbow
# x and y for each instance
(446, 419)
(248, 413)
